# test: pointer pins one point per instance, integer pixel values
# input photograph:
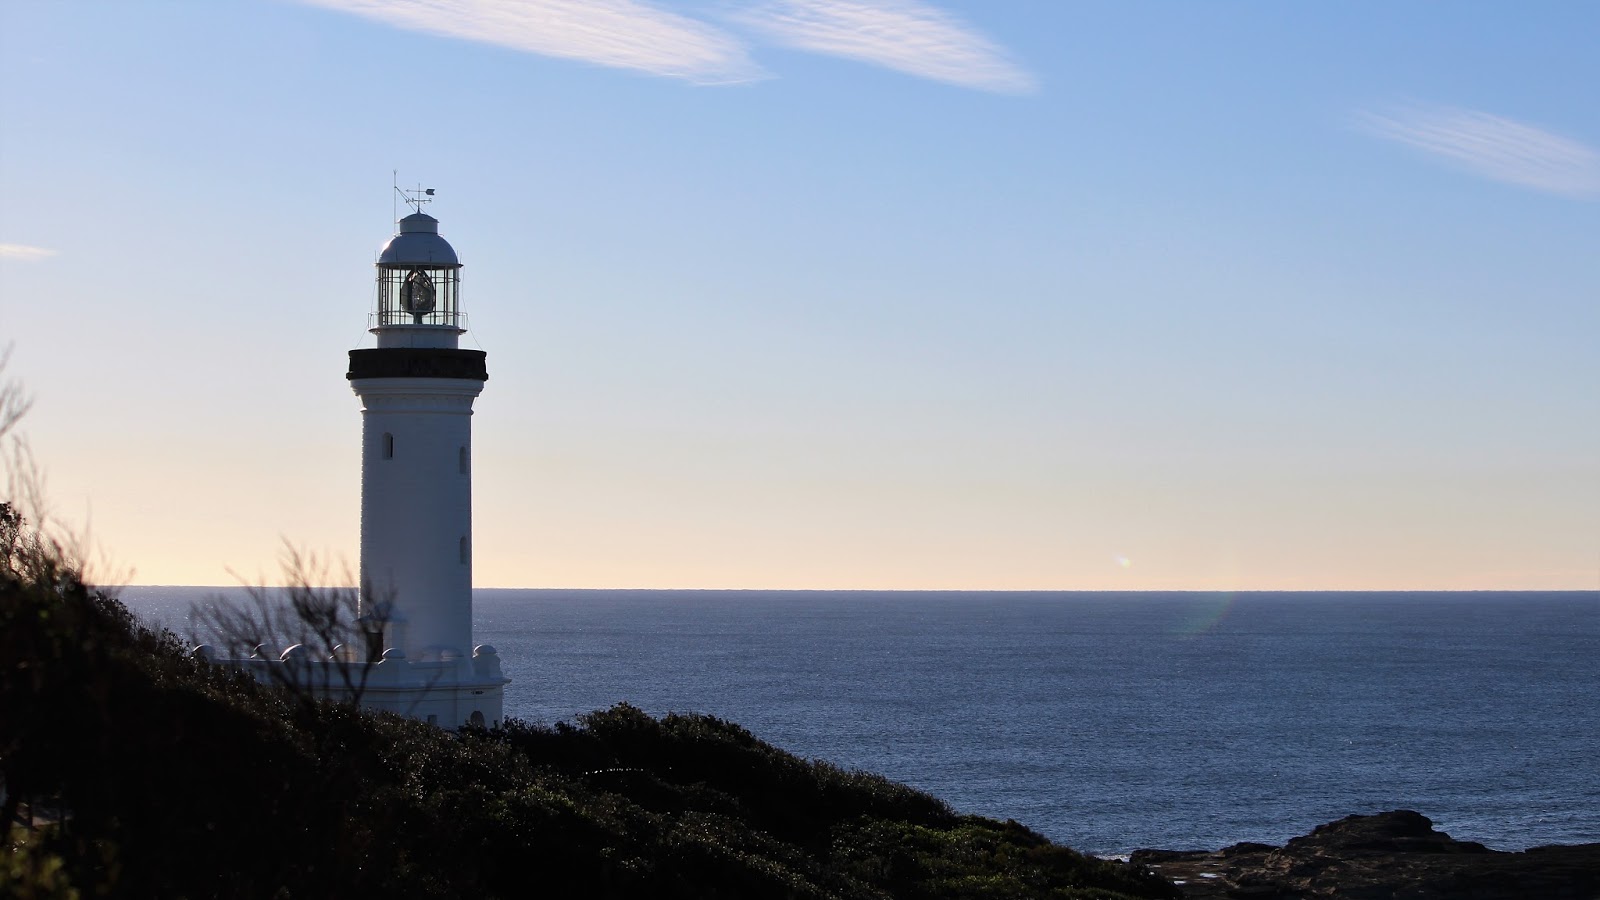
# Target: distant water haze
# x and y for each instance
(1106, 721)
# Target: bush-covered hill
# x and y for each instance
(147, 773)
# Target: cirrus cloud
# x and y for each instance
(909, 36)
(905, 35)
(625, 34)
(24, 253)
(1493, 146)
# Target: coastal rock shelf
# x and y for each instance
(1390, 855)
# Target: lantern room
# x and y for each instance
(418, 280)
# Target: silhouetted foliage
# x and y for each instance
(137, 770)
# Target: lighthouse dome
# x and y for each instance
(418, 244)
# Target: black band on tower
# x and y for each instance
(418, 362)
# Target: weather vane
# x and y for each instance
(413, 198)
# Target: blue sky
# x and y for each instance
(831, 293)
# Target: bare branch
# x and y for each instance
(70, 549)
(14, 404)
(313, 640)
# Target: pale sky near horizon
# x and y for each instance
(874, 294)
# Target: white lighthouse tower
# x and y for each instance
(416, 388)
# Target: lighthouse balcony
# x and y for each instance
(439, 318)
(417, 362)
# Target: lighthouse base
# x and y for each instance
(448, 693)
(451, 692)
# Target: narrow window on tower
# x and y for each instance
(388, 445)
(461, 460)
(464, 558)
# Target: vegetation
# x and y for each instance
(133, 769)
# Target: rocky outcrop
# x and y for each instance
(1390, 856)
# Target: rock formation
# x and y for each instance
(1390, 855)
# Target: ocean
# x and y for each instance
(1107, 722)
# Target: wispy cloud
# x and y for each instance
(24, 252)
(626, 34)
(905, 35)
(1493, 147)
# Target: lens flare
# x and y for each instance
(1205, 612)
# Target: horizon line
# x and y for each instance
(793, 590)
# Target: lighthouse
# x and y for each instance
(417, 388)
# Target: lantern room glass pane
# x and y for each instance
(418, 295)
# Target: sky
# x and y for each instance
(829, 294)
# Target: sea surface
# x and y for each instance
(1107, 722)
